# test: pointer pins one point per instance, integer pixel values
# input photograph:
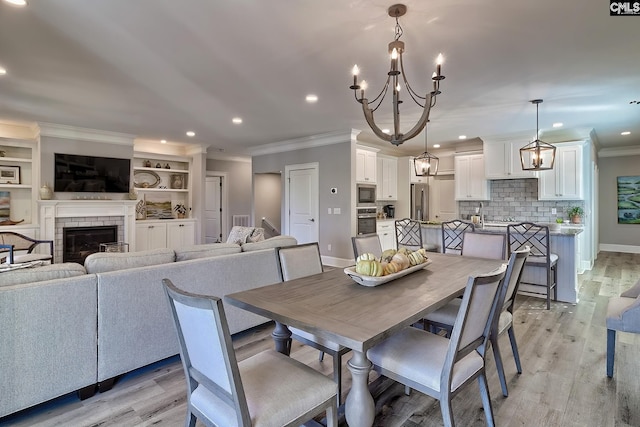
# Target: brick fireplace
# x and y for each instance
(55, 215)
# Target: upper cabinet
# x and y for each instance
(19, 170)
(413, 178)
(470, 181)
(502, 161)
(387, 182)
(564, 181)
(366, 163)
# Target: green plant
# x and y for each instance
(180, 209)
(575, 211)
(559, 220)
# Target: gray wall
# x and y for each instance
(610, 231)
(238, 184)
(267, 198)
(334, 171)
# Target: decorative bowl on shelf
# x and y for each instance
(145, 179)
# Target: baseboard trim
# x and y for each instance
(629, 249)
(336, 262)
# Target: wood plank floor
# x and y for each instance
(563, 381)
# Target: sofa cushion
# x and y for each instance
(272, 242)
(101, 262)
(206, 251)
(39, 274)
(239, 234)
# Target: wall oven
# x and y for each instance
(365, 195)
(366, 220)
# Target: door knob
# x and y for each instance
(312, 220)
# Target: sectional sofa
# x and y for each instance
(67, 327)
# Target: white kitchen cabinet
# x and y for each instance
(164, 234)
(387, 234)
(470, 181)
(366, 163)
(564, 181)
(502, 161)
(387, 181)
(415, 179)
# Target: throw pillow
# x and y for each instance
(239, 234)
(256, 236)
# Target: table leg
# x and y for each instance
(359, 407)
(282, 337)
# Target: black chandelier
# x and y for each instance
(426, 164)
(396, 49)
(537, 155)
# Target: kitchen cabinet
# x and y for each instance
(164, 234)
(413, 178)
(470, 180)
(366, 164)
(387, 234)
(387, 180)
(564, 181)
(502, 161)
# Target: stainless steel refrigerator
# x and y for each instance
(420, 202)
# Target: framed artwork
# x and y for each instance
(9, 174)
(158, 206)
(5, 205)
(629, 200)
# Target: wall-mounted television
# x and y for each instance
(75, 173)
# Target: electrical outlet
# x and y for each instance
(554, 211)
(329, 247)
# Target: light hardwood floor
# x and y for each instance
(563, 381)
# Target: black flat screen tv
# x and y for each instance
(74, 173)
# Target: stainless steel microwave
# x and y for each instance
(366, 195)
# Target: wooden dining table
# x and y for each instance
(332, 306)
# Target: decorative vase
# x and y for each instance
(45, 192)
(133, 194)
(576, 219)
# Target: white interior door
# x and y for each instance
(213, 210)
(302, 202)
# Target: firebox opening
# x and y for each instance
(80, 242)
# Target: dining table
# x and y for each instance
(331, 305)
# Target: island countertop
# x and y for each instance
(565, 230)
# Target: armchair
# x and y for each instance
(623, 314)
(11, 242)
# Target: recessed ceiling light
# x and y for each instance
(311, 98)
(436, 145)
(462, 137)
(626, 132)
(163, 141)
(3, 71)
(237, 120)
(558, 125)
(387, 131)
(191, 134)
(19, 3)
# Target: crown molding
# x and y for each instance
(85, 134)
(306, 142)
(19, 130)
(619, 151)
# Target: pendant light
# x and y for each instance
(426, 164)
(537, 155)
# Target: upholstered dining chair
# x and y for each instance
(441, 367)
(623, 314)
(484, 245)
(445, 317)
(536, 237)
(409, 235)
(301, 261)
(11, 242)
(453, 233)
(366, 243)
(266, 389)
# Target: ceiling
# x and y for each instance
(157, 68)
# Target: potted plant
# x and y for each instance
(180, 210)
(575, 213)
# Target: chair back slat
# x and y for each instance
(518, 258)
(408, 234)
(528, 234)
(483, 245)
(366, 243)
(453, 234)
(299, 261)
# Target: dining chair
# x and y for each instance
(409, 235)
(445, 317)
(441, 367)
(453, 233)
(266, 389)
(536, 237)
(484, 245)
(366, 243)
(300, 261)
(12, 242)
(623, 314)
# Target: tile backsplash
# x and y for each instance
(517, 200)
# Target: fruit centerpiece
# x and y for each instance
(390, 262)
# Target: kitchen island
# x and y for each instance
(563, 242)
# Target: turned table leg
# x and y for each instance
(282, 337)
(359, 407)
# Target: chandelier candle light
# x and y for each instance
(396, 49)
(534, 154)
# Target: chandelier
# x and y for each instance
(537, 155)
(394, 76)
(426, 164)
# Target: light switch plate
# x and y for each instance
(336, 211)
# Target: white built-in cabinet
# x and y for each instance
(502, 160)
(366, 165)
(19, 160)
(470, 180)
(565, 180)
(387, 181)
(387, 234)
(164, 234)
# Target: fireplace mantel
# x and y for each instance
(49, 210)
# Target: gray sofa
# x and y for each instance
(67, 327)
